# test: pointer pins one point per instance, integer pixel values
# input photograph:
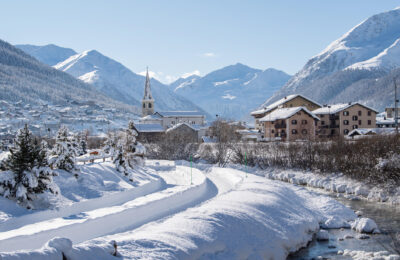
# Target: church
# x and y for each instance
(160, 121)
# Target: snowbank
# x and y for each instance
(224, 216)
(365, 225)
(361, 255)
(333, 183)
(256, 219)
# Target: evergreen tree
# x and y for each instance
(125, 155)
(64, 151)
(27, 172)
(82, 144)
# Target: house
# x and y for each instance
(171, 118)
(183, 132)
(383, 122)
(390, 112)
(149, 132)
(339, 119)
(289, 124)
(364, 132)
(250, 135)
(288, 101)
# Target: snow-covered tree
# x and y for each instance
(82, 143)
(27, 170)
(64, 152)
(128, 152)
(110, 143)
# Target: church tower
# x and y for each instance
(148, 101)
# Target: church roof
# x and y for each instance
(180, 114)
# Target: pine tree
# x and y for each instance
(27, 169)
(82, 144)
(126, 149)
(64, 152)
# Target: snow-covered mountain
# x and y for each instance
(232, 91)
(118, 82)
(24, 78)
(370, 50)
(49, 54)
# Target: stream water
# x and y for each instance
(386, 216)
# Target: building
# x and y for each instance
(289, 124)
(365, 132)
(286, 102)
(148, 101)
(339, 119)
(152, 125)
(150, 132)
(390, 112)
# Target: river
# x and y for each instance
(386, 216)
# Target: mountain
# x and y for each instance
(24, 78)
(368, 52)
(231, 92)
(49, 54)
(118, 82)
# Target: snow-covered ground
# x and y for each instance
(334, 183)
(205, 212)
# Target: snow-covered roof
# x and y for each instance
(146, 128)
(151, 117)
(383, 121)
(333, 109)
(280, 102)
(371, 131)
(283, 113)
(181, 124)
(180, 114)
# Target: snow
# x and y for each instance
(224, 82)
(279, 103)
(228, 96)
(365, 225)
(332, 109)
(335, 182)
(361, 255)
(284, 113)
(224, 214)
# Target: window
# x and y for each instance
(345, 131)
(294, 122)
(272, 131)
(322, 122)
(345, 113)
(355, 126)
(304, 131)
(290, 105)
(149, 105)
(369, 122)
(359, 113)
(321, 116)
(294, 131)
(144, 105)
(345, 122)
(355, 118)
(173, 122)
(359, 122)
(303, 122)
(369, 112)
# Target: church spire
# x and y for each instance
(148, 101)
(147, 90)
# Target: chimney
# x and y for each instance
(285, 97)
(349, 103)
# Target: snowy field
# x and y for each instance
(173, 212)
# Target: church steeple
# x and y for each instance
(148, 101)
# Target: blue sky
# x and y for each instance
(177, 37)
